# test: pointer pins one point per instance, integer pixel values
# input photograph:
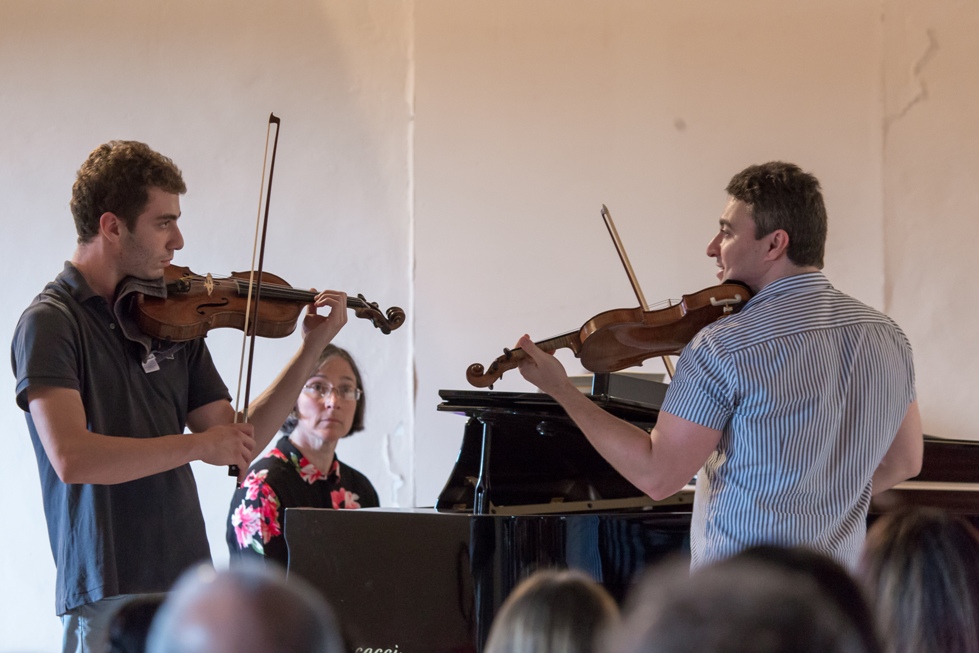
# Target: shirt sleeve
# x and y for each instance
(44, 350)
(704, 388)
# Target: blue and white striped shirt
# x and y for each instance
(808, 387)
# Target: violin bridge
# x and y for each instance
(209, 284)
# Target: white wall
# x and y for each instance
(451, 158)
(931, 201)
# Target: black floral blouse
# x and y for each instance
(286, 479)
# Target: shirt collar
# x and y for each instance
(286, 446)
(78, 286)
(123, 308)
(792, 284)
(72, 279)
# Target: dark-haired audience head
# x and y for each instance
(246, 609)
(739, 605)
(834, 581)
(553, 611)
(130, 625)
(920, 570)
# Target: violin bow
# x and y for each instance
(261, 222)
(620, 248)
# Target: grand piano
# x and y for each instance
(527, 491)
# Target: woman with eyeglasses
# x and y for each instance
(303, 470)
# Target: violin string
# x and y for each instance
(273, 290)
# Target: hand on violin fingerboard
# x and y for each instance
(329, 325)
(542, 369)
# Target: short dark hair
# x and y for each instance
(735, 606)
(130, 625)
(330, 351)
(116, 178)
(834, 581)
(782, 196)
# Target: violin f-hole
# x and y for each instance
(214, 304)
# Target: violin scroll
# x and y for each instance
(387, 322)
(480, 378)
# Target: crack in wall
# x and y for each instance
(389, 456)
(916, 80)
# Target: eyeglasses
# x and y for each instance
(345, 392)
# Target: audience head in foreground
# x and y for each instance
(130, 625)
(834, 581)
(735, 606)
(920, 569)
(553, 611)
(248, 609)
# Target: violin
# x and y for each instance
(195, 304)
(621, 338)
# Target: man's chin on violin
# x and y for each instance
(146, 246)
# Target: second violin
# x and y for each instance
(622, 338)
(195, 304)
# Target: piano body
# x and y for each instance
(527, 491)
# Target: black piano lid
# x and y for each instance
(539, 461)
(630, 408)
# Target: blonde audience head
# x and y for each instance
(553, 611)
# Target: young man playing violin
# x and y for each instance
(107, 406)
(791, 412)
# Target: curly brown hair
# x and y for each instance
(116, 178)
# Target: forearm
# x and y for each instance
(659, 463)
(886, 477)
(79, 455)
(269, 410)
(628, 448)
(903, 459)
(98, 459)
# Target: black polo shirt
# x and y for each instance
(133, 537)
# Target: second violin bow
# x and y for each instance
(620, 248)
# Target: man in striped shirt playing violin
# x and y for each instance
(791, 412)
